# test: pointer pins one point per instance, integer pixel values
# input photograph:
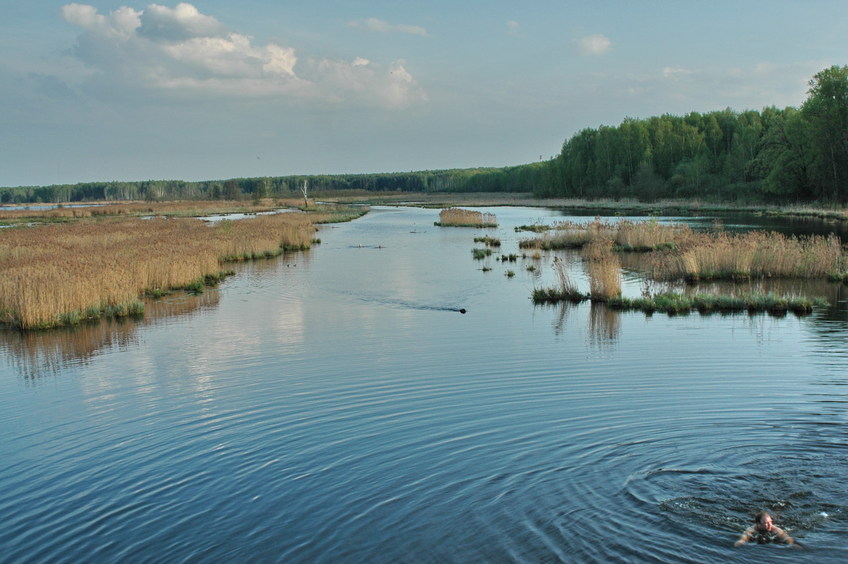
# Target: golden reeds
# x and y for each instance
(189, 208)
(627, 235)
(60, 273)
(458, 217)
(753, 254)
(604, 269)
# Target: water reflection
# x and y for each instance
(38, 354)
(604, 325)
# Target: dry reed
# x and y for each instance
(604, 270)
(458, 217)
(753, 254)
(627, 235)
(58, 274)
(189, 208)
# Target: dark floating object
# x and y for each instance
(462, 310)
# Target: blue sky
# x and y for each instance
(217, 89)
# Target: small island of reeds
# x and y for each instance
(681, 254)
(458, 217)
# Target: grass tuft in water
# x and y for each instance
(489, 241)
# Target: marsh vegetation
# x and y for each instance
(61, 274)
(459, 217)
(678, 253)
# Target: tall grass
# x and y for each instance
(565, 291)
(59, 274)
(458, 217)
(753, 254)
(190, 208)
(604, 270)
(627, 235)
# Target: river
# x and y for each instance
(335, 406)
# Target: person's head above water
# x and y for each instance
(763, 521)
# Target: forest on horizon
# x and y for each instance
(768, 156)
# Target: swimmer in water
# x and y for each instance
(765, 531)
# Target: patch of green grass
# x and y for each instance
(535, 228)
(488, 241)
(553, 295)
(480, 254)
(675, 303)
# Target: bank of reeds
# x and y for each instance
(458, 217)
(723, 255)
(626, 235)
(184, 208)
(59, 274)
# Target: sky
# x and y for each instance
(216, 89)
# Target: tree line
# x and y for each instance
(242, 188)
(773, 155)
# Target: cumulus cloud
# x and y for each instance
(380, 26)
(179, 23)
(593, 44)
(182, 51)
(675, 73)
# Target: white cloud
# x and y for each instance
(180, 51)
(179, 23)
(675, 73)
(593, 44)
(380, 26)
(513, 27)
(392, 85)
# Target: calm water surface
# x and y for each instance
(334, 406)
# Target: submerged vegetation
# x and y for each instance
(458, 217)
(60, 274)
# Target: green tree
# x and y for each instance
(826, 111)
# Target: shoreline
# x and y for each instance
(604, 206)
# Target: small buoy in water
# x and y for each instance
(462, 310)
(823, 514)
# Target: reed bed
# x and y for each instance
(59, 274)
(458, 217)
(190, 208)
(626, 235)
(755, 254)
